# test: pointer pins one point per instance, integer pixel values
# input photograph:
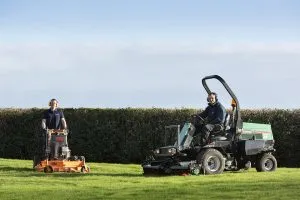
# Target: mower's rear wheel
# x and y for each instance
(212, 161)
(48, 169)
(36, 161)
(266, 163)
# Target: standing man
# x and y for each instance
(214, 114)
(53, 117)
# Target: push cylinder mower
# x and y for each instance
(56, 155)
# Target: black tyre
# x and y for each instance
(85, 169)
(247, 165)
(266, 163)
(212, 161)
(36, 160)
(244, 165)
(48, 169)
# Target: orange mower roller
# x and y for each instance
(57, 155)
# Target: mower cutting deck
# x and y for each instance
(57, 155)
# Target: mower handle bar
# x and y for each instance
(57, 131)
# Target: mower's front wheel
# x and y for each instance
(85, 169)
(266, 163)
(212, 161)
(48, 169)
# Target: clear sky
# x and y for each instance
(148, 53)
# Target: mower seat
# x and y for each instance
(220, 132)
(220, 129)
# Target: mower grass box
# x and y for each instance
(256, 131)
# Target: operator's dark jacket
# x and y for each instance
(53, 118)
(215, 114)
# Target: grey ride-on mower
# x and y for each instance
(236, 145)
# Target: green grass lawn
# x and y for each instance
(118, 181)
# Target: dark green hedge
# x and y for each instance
(126, 135)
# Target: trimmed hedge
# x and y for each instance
(126, 135)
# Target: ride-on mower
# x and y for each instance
(57, 155)
(235, 146)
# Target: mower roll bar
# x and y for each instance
(238, 121)
(223, 83)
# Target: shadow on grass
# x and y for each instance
(118, 174)
(27, 172)
(18, 169)
(77, 174)
(74, 174)
(30, 172)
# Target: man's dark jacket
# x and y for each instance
(53, 118)
(215, 114)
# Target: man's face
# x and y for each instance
(53, 104)
(211, 99)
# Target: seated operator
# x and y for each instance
(214, 114)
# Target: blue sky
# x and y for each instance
(133, 53)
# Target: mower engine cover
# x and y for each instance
(256, 131)
(256, 138)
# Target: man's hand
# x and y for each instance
(44, 127)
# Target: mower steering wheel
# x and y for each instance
(198, 117)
